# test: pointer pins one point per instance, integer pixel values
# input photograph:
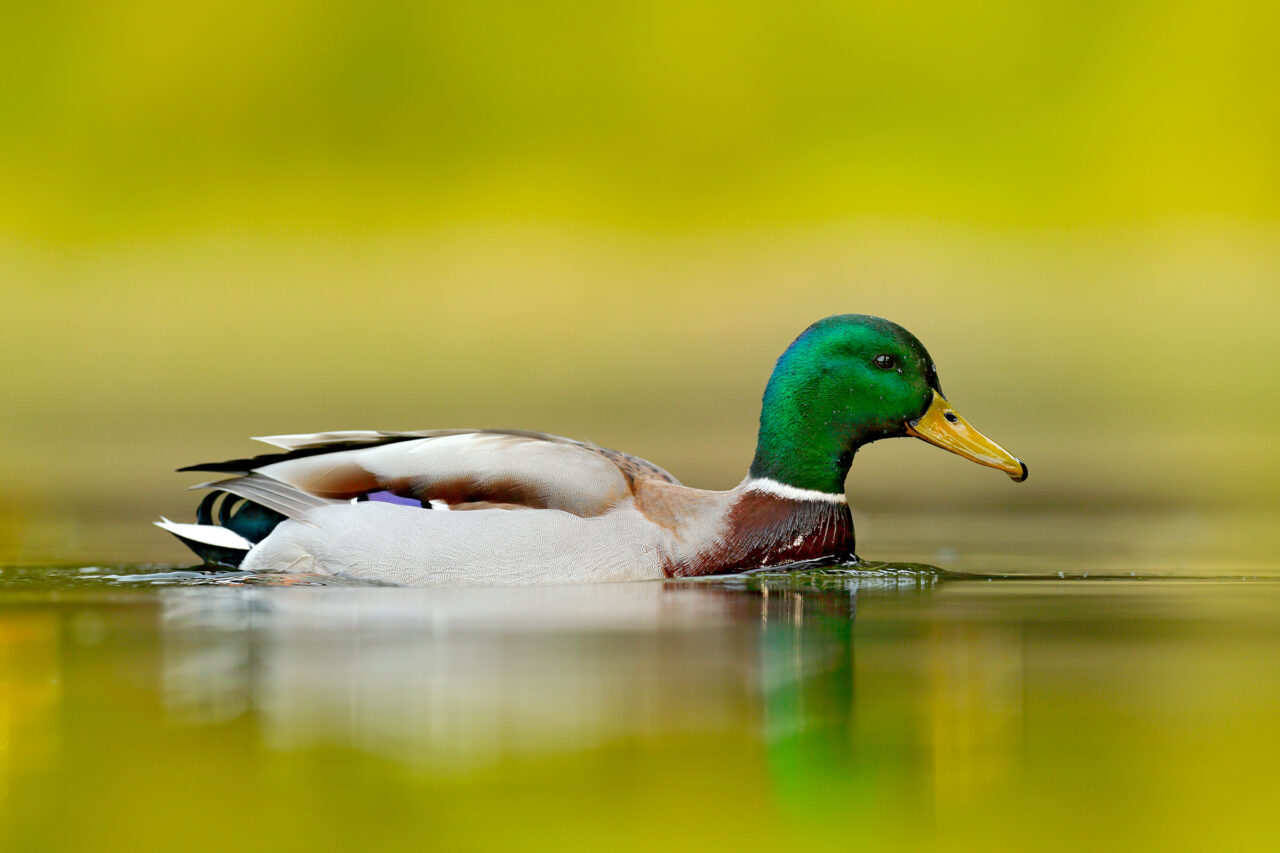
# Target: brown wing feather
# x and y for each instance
(460, 467)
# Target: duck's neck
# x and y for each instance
(802, 445)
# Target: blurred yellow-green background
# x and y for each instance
(606, 221)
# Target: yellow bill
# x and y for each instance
(941, 425)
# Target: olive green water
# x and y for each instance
(145, 709)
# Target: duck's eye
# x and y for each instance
(884, 362)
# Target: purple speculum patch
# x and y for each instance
(389, 498)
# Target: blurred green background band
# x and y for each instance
(607, 220)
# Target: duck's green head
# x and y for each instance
(849, 380)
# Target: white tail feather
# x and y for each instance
(209, 534)
(318, 439)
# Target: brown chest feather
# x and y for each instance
(766, 530)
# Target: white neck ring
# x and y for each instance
(791, 493)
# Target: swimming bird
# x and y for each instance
(507, 506)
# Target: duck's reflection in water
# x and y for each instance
(452, 678)
(920, 707)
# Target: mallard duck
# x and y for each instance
(506, 506)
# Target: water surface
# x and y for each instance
(908, 709)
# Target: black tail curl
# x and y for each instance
(248, 519)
